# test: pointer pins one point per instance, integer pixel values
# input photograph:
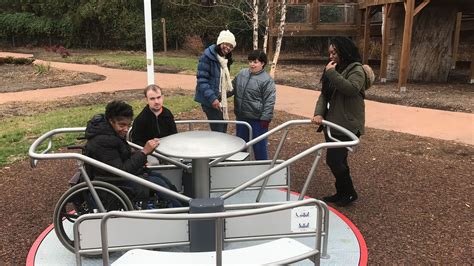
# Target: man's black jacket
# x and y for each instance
(147, 126)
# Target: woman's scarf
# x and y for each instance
(225, 85)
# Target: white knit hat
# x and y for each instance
(227, 37)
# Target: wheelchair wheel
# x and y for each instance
(78, 201)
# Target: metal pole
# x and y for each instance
(311, 173)
(201, 178)
(150, 69)
(94, 194)
(325, 232)
(265, 181)
(219, 247)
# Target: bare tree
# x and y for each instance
(249, 10)
(266, 25)
(255, 24)
(281, 31)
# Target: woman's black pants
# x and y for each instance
(336, 159)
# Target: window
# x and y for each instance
(340, 13)
(297, 14)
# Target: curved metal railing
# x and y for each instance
(219, 218)
(316, 148)
(44, 155)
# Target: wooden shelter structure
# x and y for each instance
(310, 18)
(434, 24)
(420, 38)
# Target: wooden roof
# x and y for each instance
(464, 5)
(366, 3)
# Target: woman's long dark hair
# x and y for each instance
(346, 50)
(348, 53)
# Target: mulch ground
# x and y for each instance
(415, 194)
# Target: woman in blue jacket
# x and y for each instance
(213, 79)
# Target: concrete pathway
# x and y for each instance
(437, 124)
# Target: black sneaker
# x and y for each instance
(346, 200)
(334, 198)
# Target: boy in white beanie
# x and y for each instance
(213, 79)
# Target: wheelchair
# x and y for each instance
(87, 196)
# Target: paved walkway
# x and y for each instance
(437, 124)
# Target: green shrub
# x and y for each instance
(23, 61)
(16, 61)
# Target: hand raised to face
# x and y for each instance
(331, 65)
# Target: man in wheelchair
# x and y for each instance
(106, 142)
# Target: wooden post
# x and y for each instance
(271, 25)
(163, 22)
(472, 68)
(365, 52)
(457, 31)
(385, 41)
(406, 45)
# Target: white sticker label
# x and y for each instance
(303, 219)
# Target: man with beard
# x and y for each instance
(155, 120)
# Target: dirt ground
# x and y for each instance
(415, 194)
(31, 80)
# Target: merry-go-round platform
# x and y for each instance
(237, 211)
(346, 245)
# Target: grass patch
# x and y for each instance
(137, 61)
(42, 69)
(18, 133)
(187, 64)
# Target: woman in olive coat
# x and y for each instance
(342, 102)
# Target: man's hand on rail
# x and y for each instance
(317, 119)
(150, 146)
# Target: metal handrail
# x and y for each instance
(218, 216)
(354, 141)
(51, 156)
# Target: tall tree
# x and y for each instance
(255, 24)
(266, 25)
(281, 31)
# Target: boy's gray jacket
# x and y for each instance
(254, 95)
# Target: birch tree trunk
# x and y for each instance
(255, 24)
(267, 25)
(281, 31)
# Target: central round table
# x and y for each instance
(200, 146)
